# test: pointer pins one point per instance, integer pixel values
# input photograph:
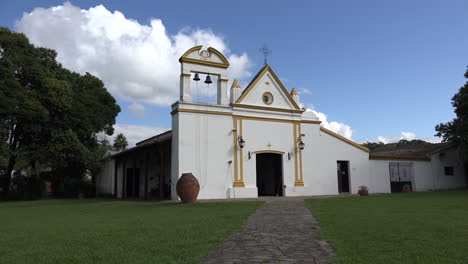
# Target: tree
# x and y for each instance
(49, 116)
(456, 131)
(401, 143)
(120, 142)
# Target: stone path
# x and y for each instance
(281, 231)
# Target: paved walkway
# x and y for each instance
(281, 231)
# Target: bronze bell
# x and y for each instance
(208, 79)
(196, 78)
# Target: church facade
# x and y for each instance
(257, 141)
(253, 141)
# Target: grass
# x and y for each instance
(90, 231)
(398, 228)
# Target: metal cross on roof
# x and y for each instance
(266, 52)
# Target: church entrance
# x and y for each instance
(269, 174)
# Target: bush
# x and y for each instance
(27, 188)
(70, 187)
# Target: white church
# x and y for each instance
(258, 141)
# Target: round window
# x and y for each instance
(267, 98)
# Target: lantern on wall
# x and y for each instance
(241, 142)
(301, 144)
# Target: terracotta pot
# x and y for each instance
(81, 196)
(187, 188)
(362, 192)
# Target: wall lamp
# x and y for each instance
(250, 154)
(301, 143)
(290, 155)
(241, 141)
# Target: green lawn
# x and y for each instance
(398, 228)
(90, 231)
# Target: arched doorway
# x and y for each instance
(269, 174)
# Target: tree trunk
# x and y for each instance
(7, 182)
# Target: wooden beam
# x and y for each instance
(124, 180)
(116, 167)
(161, 178)
(146, 174)
(134, 177)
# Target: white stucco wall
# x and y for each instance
(321, 153)
(203, 148)
(105, 178)
(427, 175)
(379, 176)
(450, 158)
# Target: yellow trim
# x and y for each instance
(265, 119)
(294, 92)
(344, 139)
(206, 63)
(258, 107)
(311, 122)
(215, 51)
(234, 135)
(241, 156)
(301, 177)
(184, 110)
(297, 181)
(238, 184)
(224, 65)
(235, 84)
(263, 98)
(192, 49)
(184, 75)
(269, 151)
(223, 80)
(398, 158)
(266, 69)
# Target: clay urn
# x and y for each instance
(187, 188)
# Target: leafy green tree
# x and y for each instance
(49, 116)
(120, 142)
(456, 131)
(401, 143)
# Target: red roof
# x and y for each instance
(165, 136)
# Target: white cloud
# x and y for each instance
(304, 91)
(392, 139)
(137, 62)
(337, 127)
(135, 133)
(403, 135)
(137, 110)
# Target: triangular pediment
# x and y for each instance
(266, 90)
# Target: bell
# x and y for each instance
(208, 79)
(196, 78)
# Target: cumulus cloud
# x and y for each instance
(304, 91)
(404, 135)
(137, 62)
(135, 133)
(137, 110)
(337, 127)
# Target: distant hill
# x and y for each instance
(377, 146)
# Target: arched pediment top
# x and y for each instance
(209, 57)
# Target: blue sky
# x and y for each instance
(380, 67)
